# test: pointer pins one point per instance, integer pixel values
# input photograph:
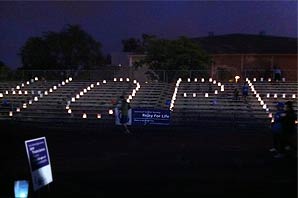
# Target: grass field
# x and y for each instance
(151, 162)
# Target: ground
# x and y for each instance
(151, 162)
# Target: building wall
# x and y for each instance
(256, 65)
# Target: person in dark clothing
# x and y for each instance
(245, 91)
(289, 126)
(236, 94)
(124, 107)
(277, 131)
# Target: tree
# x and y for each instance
(180, 54)
(132, 45)
(72, 48)
(137, 45)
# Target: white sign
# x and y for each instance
(39, 161)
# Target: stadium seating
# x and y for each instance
(193, 100)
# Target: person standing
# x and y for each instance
(277, 131)
(245, 91)
(289, 126)
(124, 107)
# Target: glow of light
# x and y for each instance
(18, 109)
(81, 93)
(275, 95)
(104, 81)
(237, 78)
(88, 88)
(36, 79)
(46, 93)
(194, 95)
(23, 85)
(85, 90)
(27, 82)
(222, 88)
(262, 79)
(257, 95)
(40, 95)
(84, 115)
(18, 87)
(184, 95)
(284, 79)
(6, 92)
(130, 97)
(196, 80)
(246, 79)
(259, 99)
(121, 79)
(98, 116)
(1, 95)
(267, 109)
(66, 107)
(59, 85)
(210, 79)
(55, 87)
(20, 92)
(25, 92)
(188, 80)
(272, 120)
(115, 79)
(294, 96)
(92, 85)
(35, 98)
(14, 92)
(262, 103)
(21, 189)
(73, 99)
(32, 80)
(10, 113)
(30, 101)
(128, 100)
(215, 92)
(70, 78)
(206, 95)
(264, 106)
(202, 80)
(134, 81)
(77, 96)
(51, 90)
(127, 79)
(296, 122)
(69, 111)
(270, 115)
(214, 82)
(63, 83)
(254, 79)
(268, 95)
(269, 79)
(24, 106)
(66, 81)
(97, 83)
(111, 112)
(283, 95)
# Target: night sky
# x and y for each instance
(110, 22)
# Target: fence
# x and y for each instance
(140, 75)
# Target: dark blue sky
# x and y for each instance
(110, 22)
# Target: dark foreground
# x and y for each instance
(152, 162)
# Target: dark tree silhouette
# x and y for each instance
(72, 48)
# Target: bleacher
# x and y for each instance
(196, 100)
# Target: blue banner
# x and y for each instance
(37, 152)
(150, 117)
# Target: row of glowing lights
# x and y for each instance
(262, 79)
(257, 95)
(122, 79)
(18, 109)
(175, 94)
(73, 99)
(202, 80)
(194, 94)
(18, 87)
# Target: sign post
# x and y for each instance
(39, 161)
